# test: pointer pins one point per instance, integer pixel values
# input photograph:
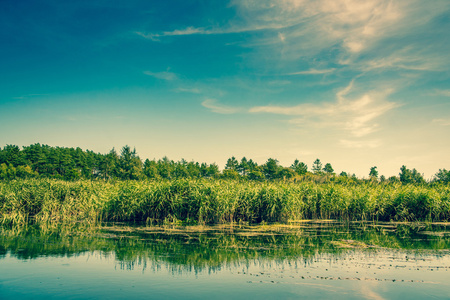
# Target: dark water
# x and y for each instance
(310, 260)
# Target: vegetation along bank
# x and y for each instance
(54, 184)
(206, 201)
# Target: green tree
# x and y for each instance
(286, 173)
(343, 174)
(256, 174)
(328, 168)
(213, 171)
(271, 168)
(204, 170)
(393, 179)
(109, 165)
(7, 171)
(151, 169)
(299, 167)
(130, 165)
(165, 168)
(442, 176)
(410, 176)
(232, 164)
(193, 169)
(230, 174)
(373, 174)
(11, 154)
(25, 172)
(243, 167)
(317, 166)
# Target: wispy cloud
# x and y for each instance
(166, 75)
(442, 122)
(445, 93)
(178, 32)
(29, 96)
(216, 107)
(313, 72)
(406, 59)
(189, 90)
(356, 116)
(343, 28)
(324, 23)
(203, 31)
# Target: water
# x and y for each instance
(311, 260)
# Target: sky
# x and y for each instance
(354, 83)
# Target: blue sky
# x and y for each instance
(353, 83)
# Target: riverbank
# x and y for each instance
(217, 201)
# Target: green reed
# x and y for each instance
(218, 246)
(217, 201)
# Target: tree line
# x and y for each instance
(71, 164)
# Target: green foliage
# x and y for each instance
(232, 164)
(130, 165)
(299, 167)
(328, 168)
(7, 171)
(317, 166)
(43, 161)
(256, 174)
(373, 173)
(230, 174)
(408, 176)
(271, 169)
(219, 201)
(286, 173)
(442, 176)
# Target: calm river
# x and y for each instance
(308, 260)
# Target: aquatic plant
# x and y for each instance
(218, 201)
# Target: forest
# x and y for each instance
(43, 161)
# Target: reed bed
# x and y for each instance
(217, 201)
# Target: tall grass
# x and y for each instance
(217, 201)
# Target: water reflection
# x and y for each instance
(309, 259)
(200, 247)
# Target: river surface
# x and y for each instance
(307, 260)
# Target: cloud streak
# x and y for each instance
(355, 116)
(204, 31)
(442, 122)
(304, 28)
(162, 75)
(313, 72)
(445, 93)
(188, 90)
(216, 107)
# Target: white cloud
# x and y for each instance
(353, 23)
(203, 31)
(442, 122)
(445, 93)
(216, 107)
(405, 59)
(162, 75)
(186, 31)
(313, 72)
(305, 28)
(355, 116)
(189, 90)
